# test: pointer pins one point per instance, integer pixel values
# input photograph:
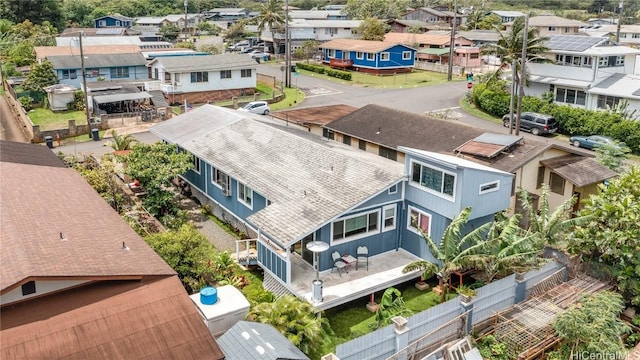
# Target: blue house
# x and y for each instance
(127, 66)
(376, 57)
(113, 21)
(285, 188)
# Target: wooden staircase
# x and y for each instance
(272, 284)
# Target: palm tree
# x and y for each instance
(454, 253)
(509, 48)
(271, 15)
(122, 142)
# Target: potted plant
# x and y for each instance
(466, 293)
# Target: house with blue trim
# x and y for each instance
(113, 21)
(121, 66)
(370, 56)
(285, 188)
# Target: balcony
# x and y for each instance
(171, 88)
(341, 63)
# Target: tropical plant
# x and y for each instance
(612, 234)
(296, 320)
(121, 142)
(592, 326)
(378, 9)
(272, 16)
(455, 251)
(236, 31)
(391, 305)
(41, 76)
(309, 48)
(612, 156)
(26, 102)
(372, 29)
(169, 32)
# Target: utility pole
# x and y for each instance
(452, 44)
(287, 50)
(620, 6)
(514, 74)
(523, 65)
(186, 24)
(84, 86)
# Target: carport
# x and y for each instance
(119, 103)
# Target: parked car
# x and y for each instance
(257, 54)
(256, 107)
(593, 141)
(537, 124)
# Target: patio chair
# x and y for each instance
(362, 256)
(338, 263)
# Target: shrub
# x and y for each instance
(26, 102)
(311, 67)
(344, 75)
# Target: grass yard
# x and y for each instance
(417, 78)
(49, 120)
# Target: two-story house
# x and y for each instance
(286, 188)
(317, 15)
(301, 30)
(629, 34)
(436, 48)
(378, 57)
(553, 25)
(118, 66)
(227, 16)
(506, 16)
(202, 78)
(433, 15)
(587, 72)
(116, 21)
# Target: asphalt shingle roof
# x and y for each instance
(309, 180)
(579, 170)
(206, 62)
(357, 45)
(97, 61)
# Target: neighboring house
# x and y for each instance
(383, 131)
(314, 118)
(43, 52)
(248, 340)
(152, 21)
(552, 25)
(287, 187)
(198, 79)
(586, 72)
(130, 66)
(595, 22)
(301, 30)
(433, 15)
(145, 33)
(111, 31)
(406, 26)
(435, 48)
(228, 15)
(506, 16)
(179, 21)
(77, 281)
(110, 21)
(317, 15)
(629, 34)
(98, 40)
(376, 57)
(480, 37)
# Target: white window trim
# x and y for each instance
(358, 236)
(359, 55)
(196, 160)
(393, 187)
(451, 198)
(383, 54)
(406, 55)
(241, 200)
(216, 184)
(496, 188)
(413, 229)
(372, 55)
(395, 217)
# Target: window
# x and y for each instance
(474, 56)
(69, 74)
(245, 194)
(384, 56)
(102, 23)
(393, 189)
(356, 226)
(540, 179)
(566, 29)
(552, 28)
(155, 74)
(92, 72)
(225, 74)
(619, 60)
(406, 55)
(556, 183)
(29, 288)
(346, 139)
(388, 153)
(245, 73)
(489, 187)
(119, 72)
(419, 221)
(362, 145)
(199, 76)
(605, 101)
(332, 53)
(118, 23)
(433, 179)
(221, 180)
(330, 31)
(571, 96)
(328, 134)
(359, 55)
(371, 56)
(389, 217)
(196, 163)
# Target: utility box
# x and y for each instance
(221, 307)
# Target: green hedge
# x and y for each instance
(495, 101)
(344, 75)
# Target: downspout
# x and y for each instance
(401, 216)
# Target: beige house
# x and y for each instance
(553, 25)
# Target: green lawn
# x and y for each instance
(49, 120)
(417, 78)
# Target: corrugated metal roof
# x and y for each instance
(97, 61)
(317, 179)
(251, 340)
(206, 63)
(45, 51)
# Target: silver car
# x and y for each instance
(256, 107)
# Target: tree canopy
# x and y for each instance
(379, 9)
(372, 29)
(40, 76)
(37, 11)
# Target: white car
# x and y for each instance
(256, 107)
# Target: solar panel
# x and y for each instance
(572, 42)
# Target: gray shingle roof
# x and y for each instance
(579, 170)
(97, 61)
(251, 340)
(309, 180)
(206, 62)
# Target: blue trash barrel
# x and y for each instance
(209, 296)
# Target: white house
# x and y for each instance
(506, 16)
(301, 30)
(202, 78)
(587, 72)
(629, 34)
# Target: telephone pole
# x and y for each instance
(620, 6)
(287, 50)
(452, 44)
(523, 65)
(84, 85)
